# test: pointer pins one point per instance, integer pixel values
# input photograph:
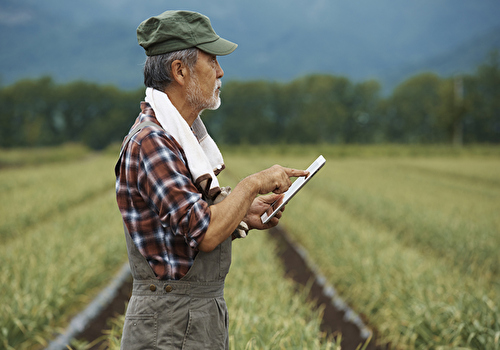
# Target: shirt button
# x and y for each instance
(168, 288)
(152, 287)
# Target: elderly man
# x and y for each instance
(179, 223)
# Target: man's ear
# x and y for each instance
(179, 72)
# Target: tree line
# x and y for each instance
(425, 108)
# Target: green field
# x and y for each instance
(62, 242)
(411, 242)
(408, 236)
(60, 245)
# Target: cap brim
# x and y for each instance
(219, 47)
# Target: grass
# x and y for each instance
(33, 194)
(55, 270)
(410, 242)
(62, 241)
(408, 237)
(19, 157)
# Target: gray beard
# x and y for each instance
(195, 96)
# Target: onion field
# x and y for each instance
(62, 242)
(411, 243)
(409, 237)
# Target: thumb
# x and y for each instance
(271, 198)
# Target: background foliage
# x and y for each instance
(313, 109)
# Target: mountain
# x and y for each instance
(278, 40)
(464, 58)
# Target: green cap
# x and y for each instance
(178, 30)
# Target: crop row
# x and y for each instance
(31, 195)
(411, 243)
(62, 242)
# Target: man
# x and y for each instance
(179, 223)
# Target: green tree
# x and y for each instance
(452, 109)
(113, 126)
(365, 125)
(247, 114)
(25, 115)
(482, 95)
(319, 109)
(40, 113)
(411, 111)
(311, 109)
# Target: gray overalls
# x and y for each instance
(189, 313)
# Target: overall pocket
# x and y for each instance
(140, 332)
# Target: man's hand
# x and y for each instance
(242, 203)
(276, 179)
(258, 207)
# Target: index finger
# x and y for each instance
(296, 172)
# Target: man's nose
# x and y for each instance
(219, 71)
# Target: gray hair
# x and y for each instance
(158, 68)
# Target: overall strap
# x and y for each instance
(134, 131)
(139, 266)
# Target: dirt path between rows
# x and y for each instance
(334, 320)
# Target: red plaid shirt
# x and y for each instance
(160, 205)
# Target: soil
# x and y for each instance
(296, 268)
(117, 307)
(333, 319)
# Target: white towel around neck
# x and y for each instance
(203, 156)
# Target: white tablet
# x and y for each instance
(296, 186)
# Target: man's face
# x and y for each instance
(203, 87)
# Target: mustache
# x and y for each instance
(218, 84)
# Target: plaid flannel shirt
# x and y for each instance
(160, 205)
